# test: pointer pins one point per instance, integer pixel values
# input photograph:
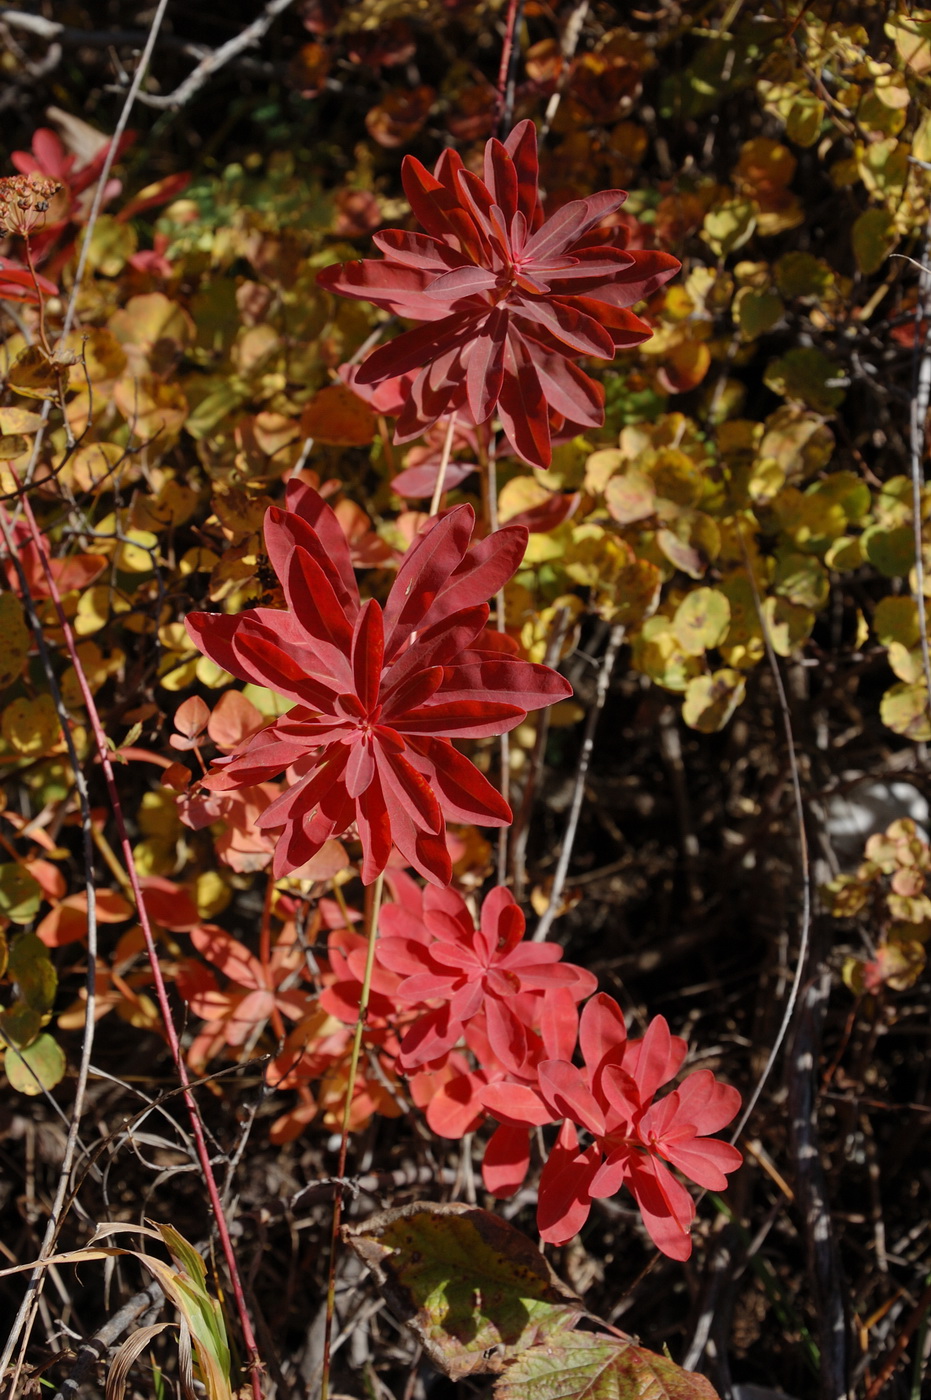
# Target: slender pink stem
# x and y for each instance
(161, 990)
(504, 68)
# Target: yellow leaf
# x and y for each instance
(31, 726)
(19, 420)
(100, 354)
(92, 464)
(35, 376)
(112, 244)
(15, 639)
(12, 445)
(710, 701)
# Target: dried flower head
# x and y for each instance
(24, 202)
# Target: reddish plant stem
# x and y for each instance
(265, 955)
(161, 991)
(43, 338)
(505, 95)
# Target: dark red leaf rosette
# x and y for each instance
(508, 299)
(378, 693)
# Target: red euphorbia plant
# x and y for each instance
(509, 299)
(378, 693)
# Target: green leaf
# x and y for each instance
(31, 968)
(892, 552)
(873, 237)
(20, 893)
(578, 1364)
(15, 639)
(804, 374)
(803, 275)
(475, 1291)
(801, 579)
(896, 620)
(39, 1066)
(21, 1024)
(757, 311)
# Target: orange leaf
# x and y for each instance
(338, 417)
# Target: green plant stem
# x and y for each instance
(489, 470)
(344, 1136)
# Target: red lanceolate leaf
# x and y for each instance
(18, 284)
(507, 297)
(378, 694)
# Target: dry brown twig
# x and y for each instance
(216, 59)
(25, 1316)
(615, 639)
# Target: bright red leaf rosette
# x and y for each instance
(508, 297)
(633, 1137)
(378, 693)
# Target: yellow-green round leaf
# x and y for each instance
(20, 893)
(729, 226)
(804, 119)
(803, 275)
(757, 311)
(32, 970)
(896, 620)
(845, 554)
(809, 377)
(702, 620)
(907, 665)
(12, 445)
(19, 420)
(873, 237)
(711, 700)
(892, 552)
(904, 710)
(789, 625)
(112, 243)
(801, 579)
(39, 1066)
